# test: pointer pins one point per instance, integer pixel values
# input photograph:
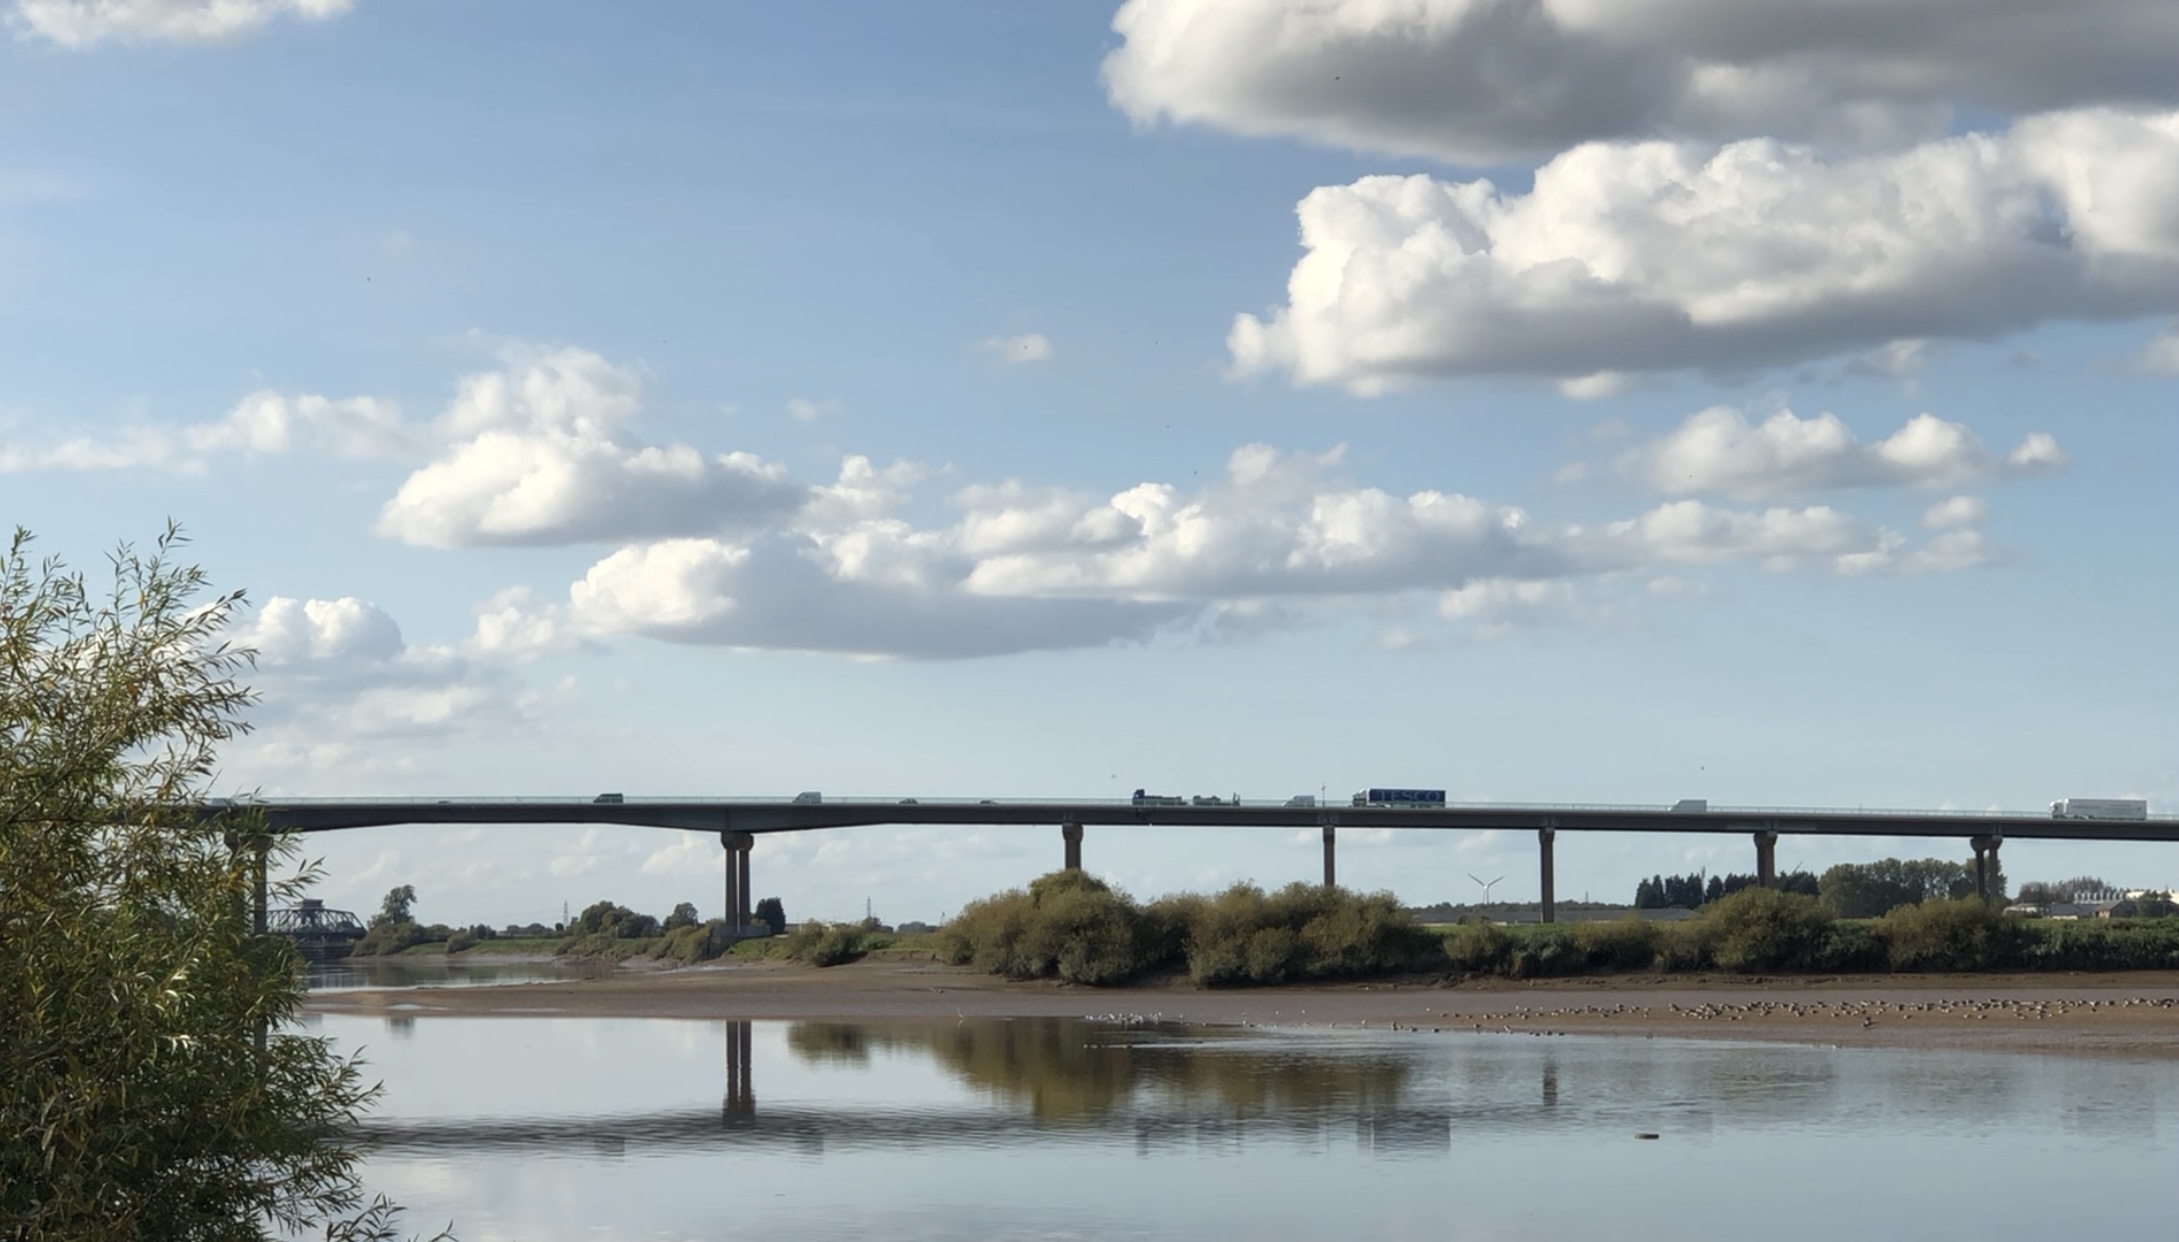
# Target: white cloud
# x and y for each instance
(1490, 81)
(1717, 450)
(339, 670)
(1278, 543)
(1497, 607)
(264, 423)
(805, 410)
(513, 625)
(87, 23)
(2161, 355)
(538, 454)
(1026, 348)
(1660, 256)
(1955, 512)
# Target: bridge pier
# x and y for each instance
(741, 1095)
(737, 846)
(1766, 858)
(1072, 835)
(1985, 863)
(1550, 904)
(1331, 870)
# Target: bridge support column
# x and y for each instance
(1331, 870)
(742, 915)
(1544, 837)
(1072, 835)
(737, 846)
(1985, 863)
(1766, 858)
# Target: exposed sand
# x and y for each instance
(2132, 1014)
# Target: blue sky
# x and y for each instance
(1619, 404)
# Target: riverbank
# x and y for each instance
(2125, 1014)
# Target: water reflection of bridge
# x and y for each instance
(1047, 1080)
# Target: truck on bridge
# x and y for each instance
(2099, 808)
(1400, 797)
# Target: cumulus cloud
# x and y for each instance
(86, 23)
(538, 453)
(1666, 255)
(1280, 541)
(1718, 450)
(265, 423)
(1026, 348)
(340, 668)
(1488, 81)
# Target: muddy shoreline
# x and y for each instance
(2133, 1014)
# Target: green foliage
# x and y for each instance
(1479, 947)
(460, 942)
(137, 1098)
(385, 939)
(1965, 934)
(772, 914)
(1755, 929)
(1072, 926)
(684, 915)
(1868, 890)
(1304, 931)
(827, 944)
(689, 943)
(1069, 925)
(604, 918)
(396, 907)
(1628, 943)
(2100, 944)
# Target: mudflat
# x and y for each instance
(2123, 1014)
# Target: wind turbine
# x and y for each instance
(1486, 885)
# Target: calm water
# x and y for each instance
(436, 970)
(555, 1128)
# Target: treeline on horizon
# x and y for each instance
(1847, 890)
(603, 929)
(1069, 925)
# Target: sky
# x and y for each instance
(1570, 401)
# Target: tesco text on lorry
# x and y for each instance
(1400, 797)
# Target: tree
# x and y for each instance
(610, 919)
(772, 914)
(149, 1086)
(396, 908)
(684, 915)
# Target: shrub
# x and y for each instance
(1303, 931)
(1967, 934)
(1478, 947)
(459, 942)
(2100, 944)
(386, 939)
(1761, 929)
(686, 943)
(827, 944)
(1628, 943)
(1543, 951)
(1072, 926)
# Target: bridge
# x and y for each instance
(739, 821)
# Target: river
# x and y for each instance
(578, 1128)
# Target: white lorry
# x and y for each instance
(2099, 808)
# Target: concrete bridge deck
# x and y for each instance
(739, 821)
(766, 815)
